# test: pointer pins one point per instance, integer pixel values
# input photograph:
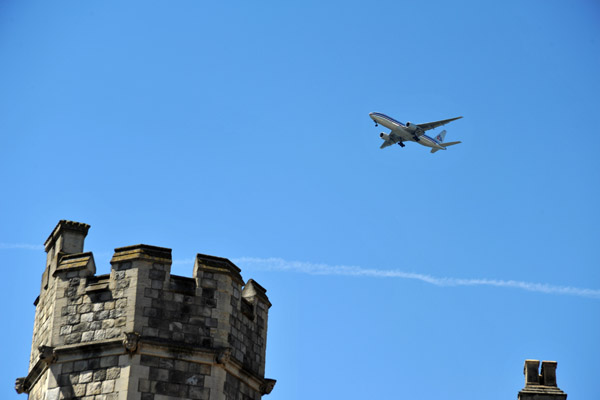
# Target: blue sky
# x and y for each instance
(241, 130)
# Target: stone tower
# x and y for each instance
(140, 333)
(540, 386)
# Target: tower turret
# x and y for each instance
(141, 333)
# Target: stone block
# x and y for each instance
(93, 388)
(178, 297)
(108, 323)
(95, 325)
(150, 312)
(94, 363)
(81, 327)
(144, 385)
(100, 334)
(165, 334)
(86, 376)
(67, 367)
(157, 274)
(166, 363)
(98, 307)
(102, 315)
(113, 373)
(149, 361)
(66, 393)
(99, 375)
(109, 361)
(73, 338)
(65, 329)
(203, 369)
(150, 332)
(198, 393)
(87, 317)
(113, 333)
(80, 365)
(72, 378)
(87, 336)
(79, 390)
(108, 386)
(159, 374)
(122, 284)
(176, 326)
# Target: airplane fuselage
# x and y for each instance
(405, 133)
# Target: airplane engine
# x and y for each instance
(411, 126)
(384, 136)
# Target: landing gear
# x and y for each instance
(417, 139)
(376, 123)
(401, 144)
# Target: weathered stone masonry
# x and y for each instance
(141, 333)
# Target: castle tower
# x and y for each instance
(140, 333)
(541, 386)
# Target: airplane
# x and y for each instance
(410, 132)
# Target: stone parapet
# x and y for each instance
(142, 252)
(76, 262)
(217, 265)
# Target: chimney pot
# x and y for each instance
(549, 373)
(531, 371)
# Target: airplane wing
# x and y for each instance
(430, 125)
(386, 144)
(393, 139)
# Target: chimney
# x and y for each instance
(541, 386)
(66, 238)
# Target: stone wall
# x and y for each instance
(85, 379)
(93, 315)
(174, 312)
(176, 378)
(140, 333)
(248, 332)
(236, 389)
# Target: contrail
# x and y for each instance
(278, 264)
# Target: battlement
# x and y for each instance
(213, 323)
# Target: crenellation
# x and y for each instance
(140, 332)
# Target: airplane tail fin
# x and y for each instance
(445, 145)
(441, 136)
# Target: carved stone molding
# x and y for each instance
(223, 355)
(20, 385)
(268, 386)
(47, 354)
(130, 342)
